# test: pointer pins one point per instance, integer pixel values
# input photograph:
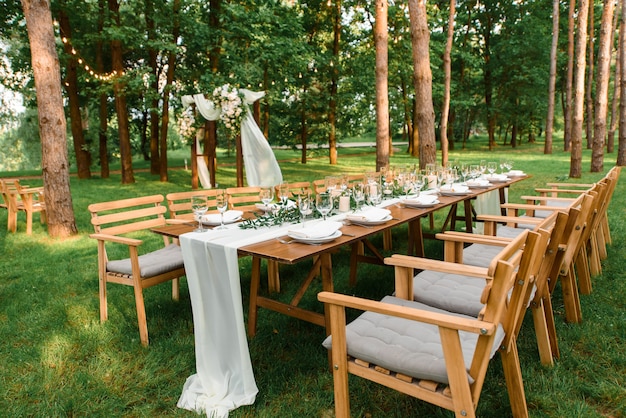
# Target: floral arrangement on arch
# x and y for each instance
(230, 101)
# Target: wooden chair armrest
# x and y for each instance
(510, 219)
(527, 206)
(32, 190)
(548, 198)
(115, 238)
(467, 238)
(438, 319)
(420, 263)
(557, 191)
(587, 185)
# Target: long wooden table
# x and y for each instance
(275, 252)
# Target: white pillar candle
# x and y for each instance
(344, 203)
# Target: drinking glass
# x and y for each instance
(304, 205)
(266, 195)
(324, 204)
(465, 171)
(418, 183)
(374, 193)
(483, 166)
(199, 205)
(492, 167)
(358, 192)
(283, 193)
(474, 171)
(221, 202)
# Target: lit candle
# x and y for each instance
(344, 203)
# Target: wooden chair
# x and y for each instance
(243, 198)
(295, 188)
(429, 353)
(179, 204)
(18, 198)
(113, 222)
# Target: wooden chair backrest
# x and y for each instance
(243, 198)
(179, 203)
(128, 215)
(295, 188)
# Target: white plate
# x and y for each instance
(478, 185)
(321, 240)
(499, 179)
(515, 173)
(449, 193)
(370, 222)
(413, 204)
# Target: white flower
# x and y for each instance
(229, 100)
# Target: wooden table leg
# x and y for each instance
(416, 238)
(467, 205)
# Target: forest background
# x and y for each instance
(125, 66)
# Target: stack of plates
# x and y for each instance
(370, 216)
(456, 189)
(318, 233)
(421, 201)
(230, 216)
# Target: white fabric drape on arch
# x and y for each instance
(262, 169)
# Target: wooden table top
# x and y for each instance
(296, 252)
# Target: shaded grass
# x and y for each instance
(59, 360)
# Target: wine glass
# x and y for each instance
(221, 202)
(374, 193)
(304, 205)
(492, 167)
(418, 182)
(483, 166)
(358, 193)
(324, 204)
(199, 205)
(474, 171)
(465, 171)
(266, 195)
(283, 193)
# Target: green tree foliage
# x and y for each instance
(285, 49)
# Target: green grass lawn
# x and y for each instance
(59, 360)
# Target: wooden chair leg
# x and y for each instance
(583, 271)
(141, 315)
(12, 220)
(514, 383)
(571, 297)
(542, 334)
(29, 222)
(339, 361)
(176, 289)
(104, 311)
(551, 325)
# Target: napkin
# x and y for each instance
(319, 230)
(229, 216)
(477, 183)
(422, 199)
(516, 173)
(455, 188)
(272, 206)
(369, 215)
(496, 177)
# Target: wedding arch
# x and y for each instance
(232, 106)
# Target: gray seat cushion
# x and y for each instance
(450, 292)
(552, 203)
(404, 346)
(151, 264)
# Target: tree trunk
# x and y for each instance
(303, 128)
(567, 134)
(602, 86)
(154, 85)
(621, 152)
(488, 82)
(52, 125)
(575, 170)
(547, 149)
(408, 120)
(443, 129)
(422, 81)
(589, 110)
(81, 151)
(610, 141)
(169, 80)
(382, 94)
(334, 80)
(103, 111)
(126, 157)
